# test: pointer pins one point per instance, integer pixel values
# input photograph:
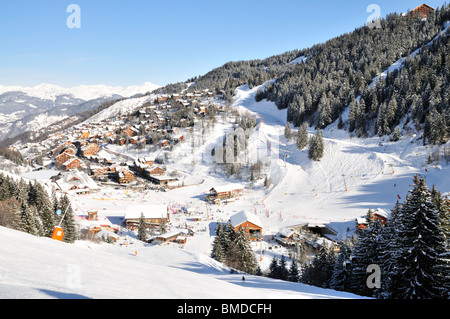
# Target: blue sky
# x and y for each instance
(131, 42)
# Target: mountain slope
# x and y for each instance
(339, 72)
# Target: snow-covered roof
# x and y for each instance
(243, 217)
(227, 188)
(41, 175)
(381, 212)
(75, 178)
(149, 211)
(286, 232)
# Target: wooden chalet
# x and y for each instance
(177, 236)
(72, 163)
(75, 181)
(146, 161)
(225, 192)
(161, 99)
(93, 215)
(84, 134)
(63, 157)
(125, 176)
(287, 237)
(90, 150)
(162, 180)
(71, 149)
(422, 11)
(251, 224)
(378, 215)
(154, 171)
(100, 171)
(131, 131)
(154, 215)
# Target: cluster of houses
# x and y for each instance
(86, 147)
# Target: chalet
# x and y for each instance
(251, 224)
(90, 150)
(378, 215)
(72, 163)
(134, 140)
(61, 147)
(131, 131)
(63, 157)
(163, 98)
(71, 149)
(100, 171)
(164, 143)
(177, 236)
(162, 180)
(154, 215)
(84, 134)
(154, 171)
(75, 181)
(125, 176)
(421, 11)
(93, 215)
(146, 161)
(225, 192)
(178, 138)
(286, 236)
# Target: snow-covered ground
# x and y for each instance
(35, 268)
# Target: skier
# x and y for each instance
(243, 279)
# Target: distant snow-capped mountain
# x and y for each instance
(25, 109)
(85, 92)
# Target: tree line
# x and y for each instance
(28, 207)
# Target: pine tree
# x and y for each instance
(340, 279)
(240, 255)
(218, 252)
(320, 270)
(29, 220)
(283, 270)
(68, 225)
(302, 136)
(45, 210)
(288, 131)
(365, 252)
(142, 229)
(274, 270)
(316, 147)
(389, 252)
(421, 271)
(293, 272)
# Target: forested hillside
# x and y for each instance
(339, 73)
